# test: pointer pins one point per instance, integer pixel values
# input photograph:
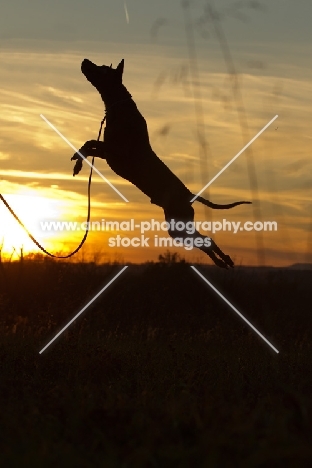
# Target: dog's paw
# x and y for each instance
(77, 167)
(220, 263)
(227, 259)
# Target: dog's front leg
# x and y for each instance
(93, 148)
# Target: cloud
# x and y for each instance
(4, 156)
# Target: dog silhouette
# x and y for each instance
(127, 150)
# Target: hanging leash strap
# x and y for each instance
(88, 216)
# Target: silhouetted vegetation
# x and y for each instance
(158, 371)
(169, 258)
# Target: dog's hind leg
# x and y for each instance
(185, 213)
(226, 260)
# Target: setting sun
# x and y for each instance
(31, 208)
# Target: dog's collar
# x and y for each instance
(117, 102)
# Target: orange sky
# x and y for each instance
(36, 171)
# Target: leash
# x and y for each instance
(88, 215)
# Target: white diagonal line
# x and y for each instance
(235, 157)
(126, 11)
(235, 310)
(85, 159)
(82, 310)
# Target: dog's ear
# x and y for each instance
(120, 68)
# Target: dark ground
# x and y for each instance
(158, 372)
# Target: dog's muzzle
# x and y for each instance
(86, 65)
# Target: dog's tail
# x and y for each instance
(215, 206)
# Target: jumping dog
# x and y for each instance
(127, 150)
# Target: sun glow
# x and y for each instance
(31, 208)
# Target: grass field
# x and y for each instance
(159, 371)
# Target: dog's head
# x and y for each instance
(101, 76)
